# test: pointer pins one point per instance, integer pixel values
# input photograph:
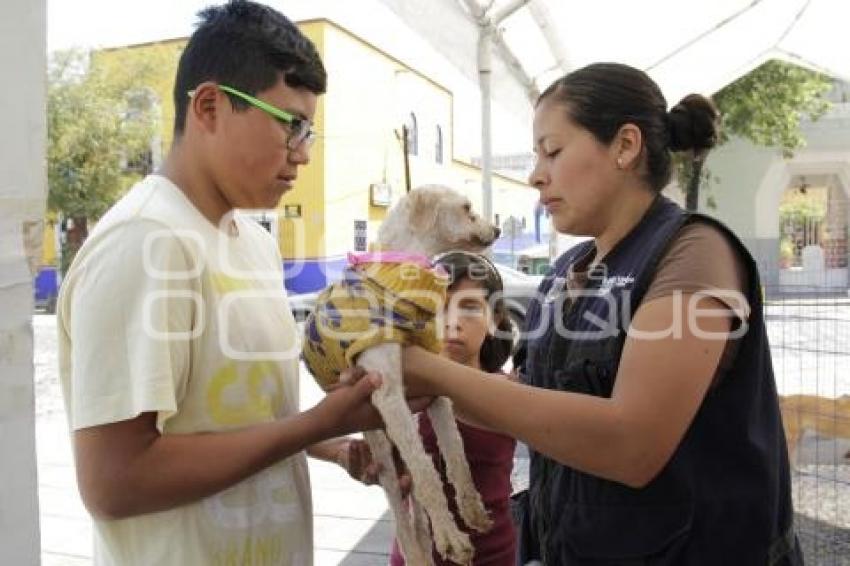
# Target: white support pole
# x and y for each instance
(489, 34)
(23, 180)
(485, 74)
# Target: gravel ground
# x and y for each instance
(822, 504)
(821, 478)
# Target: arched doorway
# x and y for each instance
(824, 177)
(813, 234)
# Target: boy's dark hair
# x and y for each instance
(247, 46)
(602, 97)
(497, 348)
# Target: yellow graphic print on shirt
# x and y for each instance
(238, 394)
(260, 551)
(253, 396)
(223, 283)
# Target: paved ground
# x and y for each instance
(811, 352)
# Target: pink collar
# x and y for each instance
(389, 257)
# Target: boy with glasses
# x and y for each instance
(178, 352)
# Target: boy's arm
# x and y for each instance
(128, 468)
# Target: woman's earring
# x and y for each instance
(620, 162)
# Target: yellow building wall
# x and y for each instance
(362, 116)
(302, 238)
(370, 96)
(49, 253)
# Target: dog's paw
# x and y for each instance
(453, 544)
(474, 514)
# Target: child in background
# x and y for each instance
(474, 309)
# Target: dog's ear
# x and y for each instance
(423, 206)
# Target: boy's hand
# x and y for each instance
(354, 374)
(347, 407)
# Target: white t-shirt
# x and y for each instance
(163, 312)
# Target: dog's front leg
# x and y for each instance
(389, 399)
(469, 503)
(408, 541)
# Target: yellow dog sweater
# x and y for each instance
(382, 297)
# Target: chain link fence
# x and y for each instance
(809, 334)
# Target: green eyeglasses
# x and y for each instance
(300, 129)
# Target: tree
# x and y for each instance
(101, 117)
(766, 107)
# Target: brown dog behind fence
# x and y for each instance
(824, 416)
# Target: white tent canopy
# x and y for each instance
(685, 45)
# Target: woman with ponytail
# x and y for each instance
(647, 394)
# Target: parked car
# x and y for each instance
(519, 289)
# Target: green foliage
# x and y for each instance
(765, 107)
(800, 208)
(786, 250)
(98, 117)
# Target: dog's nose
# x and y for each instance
(496, 232)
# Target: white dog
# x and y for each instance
(430, 220)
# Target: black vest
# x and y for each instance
(725, 495)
